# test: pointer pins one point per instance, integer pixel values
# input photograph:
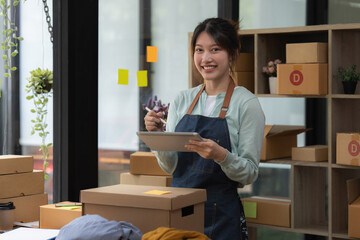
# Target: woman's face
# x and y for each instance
(211, 60)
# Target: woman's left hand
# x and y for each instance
(207, 149)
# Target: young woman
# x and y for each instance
(230, 121)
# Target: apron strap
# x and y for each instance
(195, 100)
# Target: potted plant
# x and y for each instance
(39, 89)
(349, 78)
(271, 71)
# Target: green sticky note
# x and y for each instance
(250, 209)
(142, 78)
(123, 76)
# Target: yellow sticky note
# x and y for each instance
(250, 209)
(71, 208)
(142, 78)
(151, 54)
(123, 76)
(157, 192)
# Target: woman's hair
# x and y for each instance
(223, 31)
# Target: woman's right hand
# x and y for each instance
(153, 122)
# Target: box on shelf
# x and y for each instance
(279, 141)
(313, 153)
(302, 79)
(348, 149)
(147, 180)
(16, 164)
(181, 208)
(53, 217)
(268, 210)
(145, 163)
(27, 207)
(245, 79)
(21, 184)
(353, 189)
(244, 62)
(315, 52)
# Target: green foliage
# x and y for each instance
(348, 74)
(39, 87)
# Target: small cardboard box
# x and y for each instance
(21, 184)
(348, 149)
(53, 217)
(147, 180)
(279, 141)
(353, 189)
(16, 164)
(315, 52)
(181, 208)
(145, 163)
(245, 79)
(302, 79)
(27, 207)
(314, 153)
(268, 210)
(244, 63)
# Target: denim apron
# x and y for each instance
(224, 214)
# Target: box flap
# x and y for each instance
(135, 196)
(282, 130)
(353, 189)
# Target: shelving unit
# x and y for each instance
(318, 189)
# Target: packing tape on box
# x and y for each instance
(355, 162)
(355, 137)
(298, 67)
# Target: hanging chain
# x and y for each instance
(48, 20)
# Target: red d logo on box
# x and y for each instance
(354, 148)
(296, 77)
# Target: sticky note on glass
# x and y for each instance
(123, 76)
(151, 54)
(250, 209)
(157, 192)
(142, 78)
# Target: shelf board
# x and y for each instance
(290, 96)
(296, 163)
(334, 165)
(316, 230)
(342, 235)
(346, 96)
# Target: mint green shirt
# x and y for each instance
(245, 120)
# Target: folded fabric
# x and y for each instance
(163, 233)
(95, 227)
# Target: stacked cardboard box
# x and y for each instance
(23, 186)
(348, 149)
(313, 153)
(305, 71)
(244, 71)
(353, 189)
(53, 217)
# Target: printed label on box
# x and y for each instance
(296, 78)
(354, 148)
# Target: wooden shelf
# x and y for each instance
(291, 96)
(296, 163)
(318, 230)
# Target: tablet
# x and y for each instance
(168, 141)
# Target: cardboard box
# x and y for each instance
(353, 189)
(268, 210)
(21, 184)
(279, 141)
(244, 63)
(348, 149)
(52, 217)
(315, 52)
(147, 180)
(245, 79)
(27, 207)
(181, 208)
(16, 164)
(314, 153)
(302, 79)
(145, 163)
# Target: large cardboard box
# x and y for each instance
(348, 149)
(245, 79)
(27, 207)
(268, 210)
(145, 163)
(302, 79)
(181, 208)
(315, 52)
(313, 153)
(353, 189)
(244, 62)
(53, 217)
(279, 141)
(147, 180)
(21, 184)
(16, 164)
